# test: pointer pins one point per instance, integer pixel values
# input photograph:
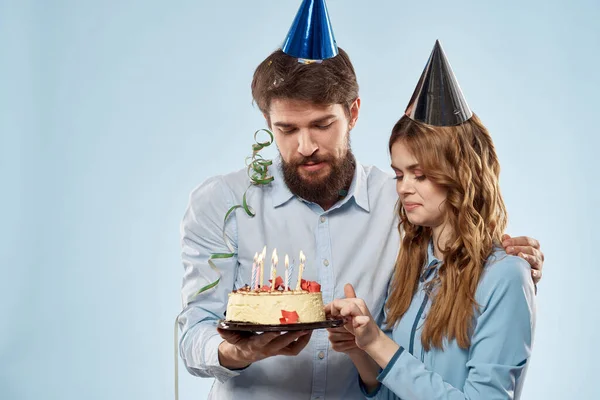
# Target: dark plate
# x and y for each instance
(250, 327)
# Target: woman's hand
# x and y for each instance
(342, 338)
(360, 322)
(361, 338)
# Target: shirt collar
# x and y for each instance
(431, 258)
(432, 263)
(359, 189)
(281, 194)
(279, 190)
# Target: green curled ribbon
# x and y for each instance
(259, 175)
(258, 172)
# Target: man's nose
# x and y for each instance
(306, 145)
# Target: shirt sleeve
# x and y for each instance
(500, 345)
(380, 392)
(201, 236)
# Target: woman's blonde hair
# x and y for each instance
(461, 159)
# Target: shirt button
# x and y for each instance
(325, 262)
(323, 219)
(321, 355)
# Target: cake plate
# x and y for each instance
(250, 327)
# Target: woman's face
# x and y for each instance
(422, 199)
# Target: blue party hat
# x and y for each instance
(311, 37)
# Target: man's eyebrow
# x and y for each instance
(313, 122)
(322, 119)
(283, 125)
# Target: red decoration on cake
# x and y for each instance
(278, 283)
(311, 286)
(314, 287)
(289, 317)
(304, 284)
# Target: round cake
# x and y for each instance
(269, 307)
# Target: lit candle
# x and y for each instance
(287, 273)
(273, 269)
(262, 265)
(254, 272)
(300, 271)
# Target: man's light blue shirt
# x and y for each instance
(356, 241)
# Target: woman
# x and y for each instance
(460, 310)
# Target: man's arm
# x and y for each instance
(201, 236)
(206, 351)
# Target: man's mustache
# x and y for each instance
(311, 160)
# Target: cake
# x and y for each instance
(278, 303)
(278, 306)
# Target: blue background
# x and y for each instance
(111, 112)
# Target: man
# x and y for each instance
(322, 201)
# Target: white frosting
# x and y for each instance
(265, 307)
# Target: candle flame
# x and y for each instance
(302, 257)
(287, 261)
(274, 258)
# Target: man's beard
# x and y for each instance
(321, 189)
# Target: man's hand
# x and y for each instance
(342, 340)
(238, 351)
(529, 250)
